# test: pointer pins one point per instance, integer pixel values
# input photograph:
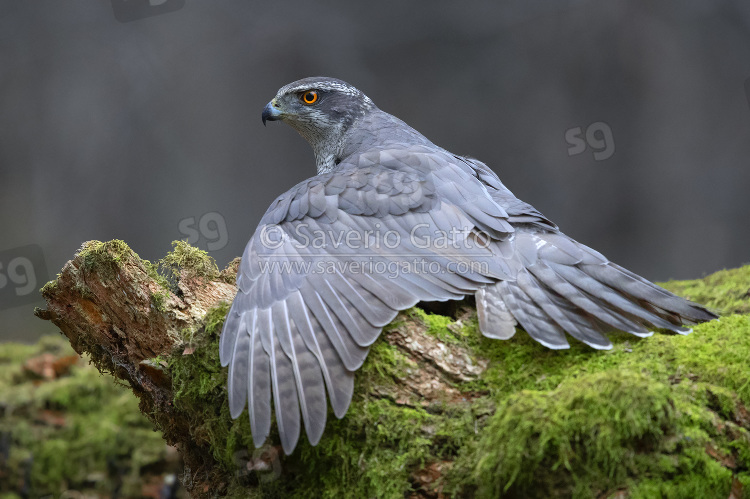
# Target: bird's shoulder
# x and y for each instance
(519, 212)
(378, 181)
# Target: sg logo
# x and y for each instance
(132, 10)
(598, 136)
(22, 270)
(211, 226)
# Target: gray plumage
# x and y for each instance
(296, 333)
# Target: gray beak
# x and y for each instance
(271, 112)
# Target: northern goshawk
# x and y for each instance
(391, 219)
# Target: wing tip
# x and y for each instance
(641, 334)
(553, 346)
(235, 411)
(289, 442)
(314, 437)
(600, 346)
(259, 435)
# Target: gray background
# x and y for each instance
(114, 129)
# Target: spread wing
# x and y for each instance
(562, 286)
(333, 261)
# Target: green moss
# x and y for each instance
(67, 432)
(153, 271)
(159, 300)
(591, 428)
(49, 287)
(381, 470)
(108, 257)
(717, 352)
(374, 450)
(196, 262)
(599, 433)
(701, 375)
(388, 363)
(436, 325)
(199, 384)
(105, 257)
(727, 291)
(744, 480)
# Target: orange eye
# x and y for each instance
(310, 97)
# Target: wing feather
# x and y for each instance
(339, 380)
(258, 384)
(307, 374)
(237, 386)
(229, 335)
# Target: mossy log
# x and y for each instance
(438, 411)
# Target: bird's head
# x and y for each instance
(321, 109)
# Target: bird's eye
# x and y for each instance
(310, 97)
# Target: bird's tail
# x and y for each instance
(563, 286)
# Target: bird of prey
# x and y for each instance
(389, 220)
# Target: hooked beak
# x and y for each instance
(271, 112)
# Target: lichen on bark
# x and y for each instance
(438, 410)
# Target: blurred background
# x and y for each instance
(626, 122)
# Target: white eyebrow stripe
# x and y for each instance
(323, 86)
(346, 89)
